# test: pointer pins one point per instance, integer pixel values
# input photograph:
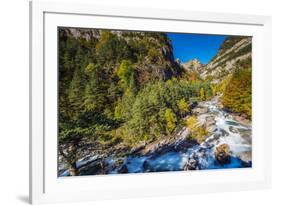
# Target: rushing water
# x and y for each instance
(227, 131)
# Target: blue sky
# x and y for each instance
(200, 46)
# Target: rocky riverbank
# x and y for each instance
(227, 145)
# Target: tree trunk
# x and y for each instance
(73, 171)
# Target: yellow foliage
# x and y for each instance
(237, 93)
(171, 120)
(222, 85)
(183, 106)
(214, 89)
(90, 68)
(197, 131)
(202, 94)
(192, 122)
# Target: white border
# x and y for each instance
(46, 187)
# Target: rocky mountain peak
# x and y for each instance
(193, 65)
(84, 33)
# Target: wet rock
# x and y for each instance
(192, 164)
(242, 119)
(247, 137)
(246, 164)
(123, 169)
(222, 154)
(202, 153)
(93, 168)
(137, 149)
(213, 138)
(211, 129)
(224, 133)
(183, 145)
(157, 146)
(216, 136)
(200, 110)
(177, 142)
(145, 165)
(206, 145)
(117, 163)
(245, 156)
(210, 123)
(210, 120)
(233, 129)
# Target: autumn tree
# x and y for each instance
(171, 120)
(202, 94)
(237, 95)
(183, 106)
(197, 131)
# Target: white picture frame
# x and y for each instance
(46, 187)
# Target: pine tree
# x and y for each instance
(95, 91)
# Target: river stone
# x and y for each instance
(245, 156)
(210, 120)
(217, 136)
(200, 110)
(192, 164)
(247, 137)
(242, 119)
(206, 145)
(211, 129)
(93, 168)
(222, 154)
(223, 132)
(145, 165)
(233, 129)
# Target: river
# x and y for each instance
(226, 130)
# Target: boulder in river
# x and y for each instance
(222, 154)
(123, 169)
(192, 163)
(216, 136)
(223, 132)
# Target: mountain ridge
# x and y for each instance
(234, 52)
